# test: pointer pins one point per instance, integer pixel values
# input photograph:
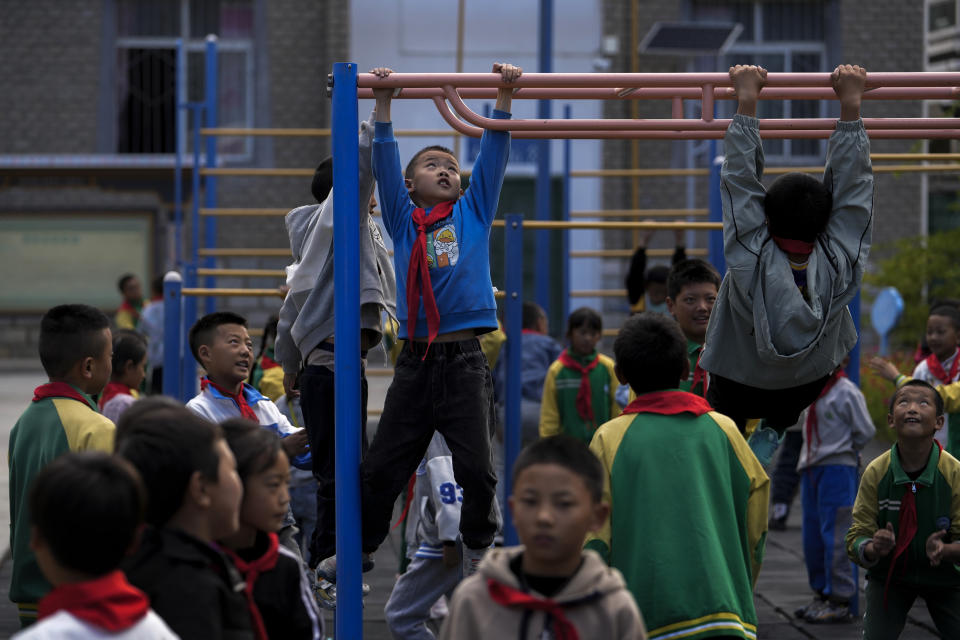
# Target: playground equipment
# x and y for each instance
(447, 92)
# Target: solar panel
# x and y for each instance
(690, 38)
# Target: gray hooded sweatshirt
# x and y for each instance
(307, 317)
(763, 332)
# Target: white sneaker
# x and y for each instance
(471, 560)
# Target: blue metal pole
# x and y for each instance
(715, 242)
(565, 234)
(210, 192)
(346, 282)
(172, 333)
(188, 382)
(853, 368)
(513, 317)
(178, 168)
(542, 264)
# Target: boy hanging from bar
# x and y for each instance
(442, 381)
(795, 256)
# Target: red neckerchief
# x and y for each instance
(251, 571)
(790, 245)
(933, 363)
(585, 393)
(113, 389)
(669, 403)
(811, 425)
(239, 399)
(126, 306)
(533, 331)
(699, 376)
(266, 362)
(906, 528)
(108, 602)
(58, 390)
(418, 274)
(411, 485)
(563, 629)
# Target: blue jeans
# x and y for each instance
(828, 495)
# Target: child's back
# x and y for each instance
(777, 327)
(689, 499)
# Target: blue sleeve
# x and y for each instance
(391, 189)
(483, 194)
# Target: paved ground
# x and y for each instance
(781, 589)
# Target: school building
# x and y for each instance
(89, 96)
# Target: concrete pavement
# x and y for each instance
(782, 586)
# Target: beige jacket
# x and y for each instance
(596, 601)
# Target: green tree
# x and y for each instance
(924, 270)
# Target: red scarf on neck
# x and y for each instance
(811, 426)
(933, 363)
(789, 245)
(906, 528)
(239, 399)
(585, 393)
(563, 629)
(135, 311)
(418, 274)
(113, 389)
(251, 571)
(108, 602)
(58, 390)
(699, 376)
(669, 403)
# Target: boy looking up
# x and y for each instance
(795, 256)
(87, 510)
(550, 587)
(691, 293)
(906, 521)
(442, 380)
(75, 349)
(193, 499)
(691, 553)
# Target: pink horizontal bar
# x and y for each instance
(688, 93)
(715, 134)
(683, 124)
(614, 80)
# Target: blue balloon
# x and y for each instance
(887, 309)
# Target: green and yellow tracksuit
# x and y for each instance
(688, 520)
(558, 410)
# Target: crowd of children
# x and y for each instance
(141, 517)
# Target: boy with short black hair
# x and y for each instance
(550, 586)
(647, 288)
(442, 380)
(795, 256)
(579, 391)
(75, 350)
(193, 499)
(692, 288)
(692, 563)
(906, 521)
(87, 508)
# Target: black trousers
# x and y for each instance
(317, 401)
(450, 391)
(781, 408)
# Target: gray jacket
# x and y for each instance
(844, 428)
(762, 331)
(306, 317)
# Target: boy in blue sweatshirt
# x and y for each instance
(441, 238)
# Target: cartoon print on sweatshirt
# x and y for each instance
(443, 250)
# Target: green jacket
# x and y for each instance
(688, 521)
(558, 410)
(882, 488)
(60, 419)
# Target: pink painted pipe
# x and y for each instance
(615, 80)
